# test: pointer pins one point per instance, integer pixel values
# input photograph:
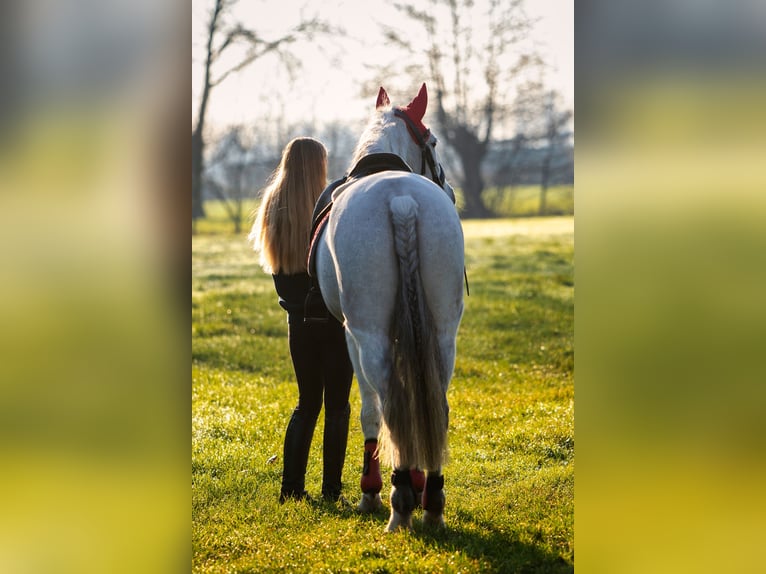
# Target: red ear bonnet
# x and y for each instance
(383, 100)
(416, 109)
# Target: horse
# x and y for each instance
(390, 267)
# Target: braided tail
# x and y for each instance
(414, 432)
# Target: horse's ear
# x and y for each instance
(383, 100)
(417, 107)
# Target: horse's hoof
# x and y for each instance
(433, 519)
(370, 502)
(397, 522)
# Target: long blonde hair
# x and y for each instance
(283, 220)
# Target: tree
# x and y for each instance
(222, 36)
(540, 118)
(231, 175)
(340, 140)
(555, 122)
(473, 58)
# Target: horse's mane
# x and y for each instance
(383, 134)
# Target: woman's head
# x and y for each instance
(283, 221)
(304, 162)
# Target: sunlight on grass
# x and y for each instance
(510, 479)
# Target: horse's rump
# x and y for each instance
(415, 300)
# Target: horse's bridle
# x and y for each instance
(427, 156)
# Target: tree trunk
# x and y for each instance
(545, 175)
(473, 186)
(543, 193)
(198, 142)
(198, 147)
(238, 211)
(471, 153)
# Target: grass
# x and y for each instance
(510, 479)
(524, 200)
(517, 201)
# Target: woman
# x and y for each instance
(281, 234)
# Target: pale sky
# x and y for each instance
(329, 84)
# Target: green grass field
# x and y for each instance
(510, 480)
(524, 200)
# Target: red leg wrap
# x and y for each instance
(372, 481)
(418, 478)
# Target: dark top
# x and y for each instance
(292, 291)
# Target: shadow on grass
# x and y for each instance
(349, 510)
(500, 551)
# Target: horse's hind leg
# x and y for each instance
(418, 478)
(367, 369)
(371, 481)
(433, 499)
(403, 500)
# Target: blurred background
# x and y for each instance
(671, 268)
(94, 212)
(499, 77)
(97, 205)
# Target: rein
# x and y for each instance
(437, 175)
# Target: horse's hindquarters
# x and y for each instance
(360, 242)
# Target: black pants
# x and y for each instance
(322, 366)
(324, 374)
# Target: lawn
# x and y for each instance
(510, 480)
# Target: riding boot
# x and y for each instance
(334, 451)
(300, 431)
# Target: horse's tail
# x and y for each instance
(415, 411)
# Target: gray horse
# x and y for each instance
(390, 266)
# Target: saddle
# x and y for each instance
(314, 307)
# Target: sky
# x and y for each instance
(331, 70)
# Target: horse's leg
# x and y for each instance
(403, 500)
(418, 478)
(369, 368)
(433, 499)
(371, 481)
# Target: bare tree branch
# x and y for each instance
(220, 40)
(474, 71)
(259, 47)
